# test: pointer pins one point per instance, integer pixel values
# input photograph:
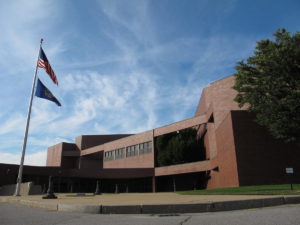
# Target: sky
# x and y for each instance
(123, 66)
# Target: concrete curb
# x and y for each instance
(92, 209)
(122, 209)
(160, 208)
(3, 200)
(273, 201)
(236, 205)
(176, 208)
(292, 199)
(42, 205)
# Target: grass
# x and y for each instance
(284, 189)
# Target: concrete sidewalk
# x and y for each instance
(150, 203)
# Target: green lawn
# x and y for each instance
(284, 189)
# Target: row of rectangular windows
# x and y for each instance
(133, 150)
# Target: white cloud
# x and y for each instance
(13, 124)
(108, 100)
(36, 159)
(44, 142)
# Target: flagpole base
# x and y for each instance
(50, 196)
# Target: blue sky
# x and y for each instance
(123, 66)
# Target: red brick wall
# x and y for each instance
(128, 141)
(227, 174)
(261, 158)
(191, 122)
(183, 168)
(219, 95)
(64, 155)
(90, 163)
(54, 155)
(88, 141)
(69, 162)
(210, 141)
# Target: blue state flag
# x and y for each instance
(43, 92)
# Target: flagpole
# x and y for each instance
(19, 179)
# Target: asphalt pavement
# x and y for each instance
(11, 214)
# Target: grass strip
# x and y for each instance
(283, 189)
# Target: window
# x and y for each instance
(141, 148)
(109, 156)
(145, 147)
(119, 153)
(136, 150)
(130, 151)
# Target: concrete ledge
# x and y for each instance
(93, 209)
(122, 209)
(13, 200)
(42, 205)
(159, 208)
(273, 201)
(3, 200)
(292, 199)
(236, 205)
(176, 208)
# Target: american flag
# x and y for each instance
(44, 63)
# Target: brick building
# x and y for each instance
(238, 152)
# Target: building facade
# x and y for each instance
(237, 152)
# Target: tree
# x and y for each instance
(269, 83)
(176, 148)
